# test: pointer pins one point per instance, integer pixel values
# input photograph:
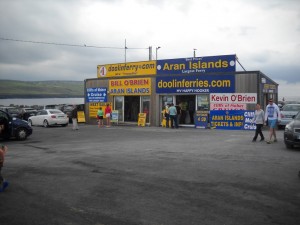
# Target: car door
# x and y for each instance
(43, 115)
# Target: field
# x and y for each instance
(41, 89)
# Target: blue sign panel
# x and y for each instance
(96, 94)
(201, 119)
(195, 84)
(207, 64)
(232, 119)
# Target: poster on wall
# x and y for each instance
(94, 107)
(201, 119)
(232, 119)
(98, 94)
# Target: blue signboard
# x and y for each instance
(207, 64)
(195, 84)
(232, 119)
(96, 94)
(201, 119)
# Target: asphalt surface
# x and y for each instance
(149, 176)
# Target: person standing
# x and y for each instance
(173, 116)
(74, 118)
(3, 183)
(259, 120)
(167, 115)
(107, 114)
(272, 115)
(100, 114)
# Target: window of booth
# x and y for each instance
(119, 105)
(202, 102)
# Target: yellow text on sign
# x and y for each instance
(125, 69)
(132, 86)
(142, 119)
(81, 117)
(94, 107)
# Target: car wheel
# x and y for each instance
(45, 123)
(289, 146)
(21, 134)
(30, 122)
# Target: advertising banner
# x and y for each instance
(201, 119)
(132, 86)
(94, 107)
(232, 119)
(96, 94)
(114, 116)
(227, 106)
(127, 69)
(206, 64)
(240, 98)
(195, 84)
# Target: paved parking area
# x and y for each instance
(150, 176)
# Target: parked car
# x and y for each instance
(13, 111)
(67, 109)
(292, 132)
(12, 127)
(49, 117)
(27, 112)
(287, 112)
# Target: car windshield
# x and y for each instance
(297, 117)
(291, 108)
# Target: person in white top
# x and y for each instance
(272, 115)
(259, 120)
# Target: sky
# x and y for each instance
(264, 34)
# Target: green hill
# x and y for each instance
(41, 89)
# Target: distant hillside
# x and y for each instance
(41, 89)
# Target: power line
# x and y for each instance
(63, 44)
(239, 63)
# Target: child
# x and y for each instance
(100, 117)
(3, 183)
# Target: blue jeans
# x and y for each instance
(173, 119)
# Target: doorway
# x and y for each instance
(131, 108)
(187, 103)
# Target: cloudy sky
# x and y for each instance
(264, 34)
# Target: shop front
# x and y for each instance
(199, 87)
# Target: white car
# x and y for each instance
(49, 117)
(287, 113)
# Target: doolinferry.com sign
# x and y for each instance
(247, 98)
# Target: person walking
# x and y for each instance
(100, 114)
(74, 118)
(107, 114)
(272, 115)
(3, 183)
(173, 116)
(259, 120)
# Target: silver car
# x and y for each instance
(49, 117)
(287, 113)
